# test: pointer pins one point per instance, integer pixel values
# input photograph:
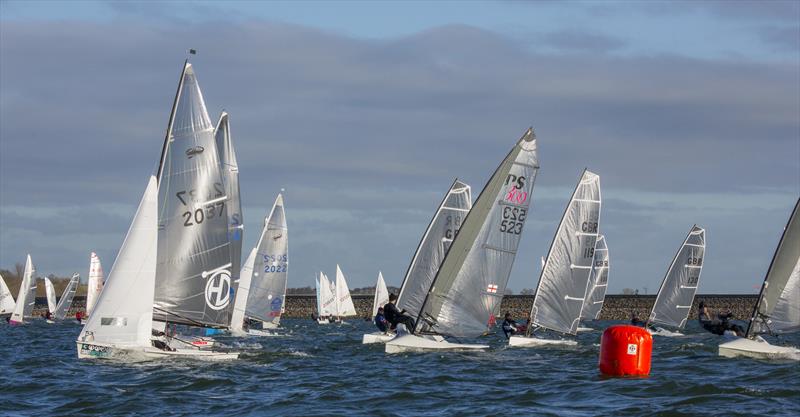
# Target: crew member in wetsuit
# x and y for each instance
(719, 325)
(510, 327)
(395, 317)
(636, 321)
(380, 321)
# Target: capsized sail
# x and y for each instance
(433, 247)
(468, 288)
(381, 295)
(122, 315)
(676, 295)
(598, 281)
(65, 302)
(562, 284)
(50, 291)
(26, 297)
(344, 303)
(95, 284)
(193, 272)
(271, 267)
(778, 306)
(7, 303)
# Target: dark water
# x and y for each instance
(325, 370)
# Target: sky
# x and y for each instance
(364, 112)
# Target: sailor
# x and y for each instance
(719, 325)
(395, 317)
(636, 321)
(78, 316)
(48, 315)
(510, 327)
(380, 321)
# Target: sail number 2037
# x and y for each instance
(192, 216)
(513, 219)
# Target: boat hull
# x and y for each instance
(95, 350)
(521, 341)
(413, 343)
(665, 333)
(371, 338)
(757, 348)
(585, 329)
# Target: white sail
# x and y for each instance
(786, 316)
(95, 284)
(122, 316)
(344, 303)
(7, 303)
(242, 292)
(381, 295)
(65, 302)
(326, 299)
(270, 271)
(27, 294)
(50, 291)
(598, 282)
(676, 294)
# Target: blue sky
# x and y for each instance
(365, 111)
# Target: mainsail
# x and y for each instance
(676, 295)
(95, 284)
(433, 247)
(270, 269)
(381, 295)
(344, 303)
(562, 284)
(466, 292)
(193, 272)
(598, 281)
(242, 292)
(50, 292)
(326, 299)
(65, 302)
(7, 303)
(123, 313)
(778, 306)
(27, 294)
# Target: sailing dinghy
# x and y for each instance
(7, 303)
(262, 284)
(65, 302)
(26, 297)
(379, 300)
(95, 284)
(777, 310)
(50, 292)
(563, 281)
(468, 287)
(430, 252)
(598, 284)
(344, 303)
(326, 299)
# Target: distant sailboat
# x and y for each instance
(676, 294)
(344, 303)
(65, 302)
(326, 300)
(50, 292)
(7, 303)
(381, 296)
(27, 294)
(95, 284)
(563, 281)
(598, 283)
(777, 310)
(469, 285)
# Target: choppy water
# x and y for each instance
(325, 370)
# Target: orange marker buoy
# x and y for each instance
(625, 351)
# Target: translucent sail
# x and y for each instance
(598, 282)
(27, 294)
(65, 302)
(564, 278)
(381, 295)
(193, 273)
(778, 306)
(433, 247)
(271, 267)
(344, 303)
(123, 313)
(676, 295)
(230, 172)
(467, 290)
(326, 299)
(50, 291)
(242, 293)
(95, 284)
(7, 303)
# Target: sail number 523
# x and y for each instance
(513, 219)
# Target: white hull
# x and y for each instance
(371, 338)
(48, 321)
(521, 341)
(413, 343)
(94, 350)
(585, 329)
(323, 321)
(269, 325)
(758, 349)
(665, 333)
(260, 333)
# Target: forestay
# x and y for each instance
(193, 272)
(466, 293)
(433, 247)
(95, 283)
(65, 302)
(344, 303)
(562, 284)
(676, 295)
(778, 306)
(270, 268)
(6, 299)
(50, 292)
(123, 313)
(598, 281)
(381, 295)
(26, 297)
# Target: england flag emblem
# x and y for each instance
(491, 289)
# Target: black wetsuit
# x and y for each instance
(395, 317)
(509, 327)
(720, 325)
(380, 322)
(637, 322)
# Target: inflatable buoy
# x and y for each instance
(625, 351)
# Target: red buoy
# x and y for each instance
(625, 351)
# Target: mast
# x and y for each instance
(164, 148)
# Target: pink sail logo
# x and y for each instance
(516, 196)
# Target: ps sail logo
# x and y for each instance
(195, 150)
(218, 284)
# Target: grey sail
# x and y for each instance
(676, 295)
(65, 302)
(271, 267)
(467, 290)
(778, 306)
(564, 278)
(433, 247)
(230, 176)
(193, 269)
(598, 281)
